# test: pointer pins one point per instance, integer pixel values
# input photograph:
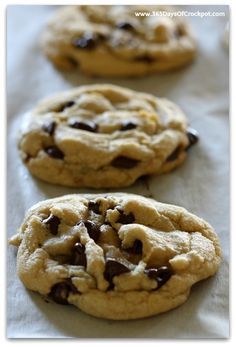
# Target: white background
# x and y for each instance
(2, 147)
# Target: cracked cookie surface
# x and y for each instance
(118, 256)
(104, 136)
(112, 41)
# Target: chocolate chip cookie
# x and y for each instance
(117, 40)
(118, 256)
(104, 136)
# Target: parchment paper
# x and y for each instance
(201, 184)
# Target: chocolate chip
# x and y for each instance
(128, 126)
(193, 137)
(174, 155)
(145, 59)
(114, 268)
(69, 62)
(161, 274)
(88, 126)
(125, 26)
(102, 36)
(124, 162)
(93, 229)
(27, 158)
(78, 255)
(88, 41)
(60, 291)
(66, 105)
(94, 206)
(137, 247)
(54, 152)
(49, 128)
(125, 218)
(180, 31)
(53, 223)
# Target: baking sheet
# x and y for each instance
(201, 184)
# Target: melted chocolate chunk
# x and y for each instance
(124, 162)
(54, 152)
(66, 105)
(93, 229)
(88, 126)
(128, 126)
(174, 155)
(125, 26)
(137, 247)
(125, 218)
(145, 59)
(53, 223)
(50, 128)
(60, 291)
(161, 274)
(114, 268)
(88, 41)
(78, 255)
(94, 206)
(193, 137)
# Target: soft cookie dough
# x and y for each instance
(118, 256)
(103, 136)
(113, 41)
